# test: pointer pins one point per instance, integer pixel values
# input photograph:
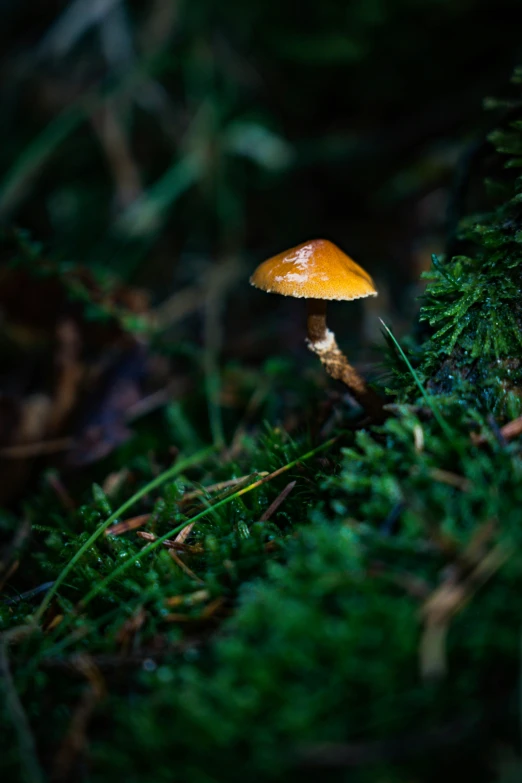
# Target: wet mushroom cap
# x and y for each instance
(314, 270)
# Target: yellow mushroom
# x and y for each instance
(319, 271)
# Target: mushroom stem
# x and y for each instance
(316, 321)
(322, 342)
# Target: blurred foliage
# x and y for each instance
(136, 134)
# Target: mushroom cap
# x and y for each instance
(317, 269)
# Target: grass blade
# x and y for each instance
(175, 470)
(430, 402)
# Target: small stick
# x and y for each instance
(198, 597)
(507, 432)
(127, 524)
(27, 755)
(445, 602)
(279, 471)
(183, 535)
(188, 571)
(66, 500)
(452, 479)
(169, 544)
(8, 574)
(207, 613)
(219, 486)
(277, 502)
(25, 450)
(512, 428)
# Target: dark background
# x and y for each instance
(151, 155)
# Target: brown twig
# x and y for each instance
(169, 544)
(512, 428)
(25, 450)
(184, 567)
(127, 524)
(445, 602)
(275, 474)
(63, 495)
(277, 502)
(220, 486)
(197, 597)
(183, 535)
(8, 574)
(207, 613)
(452, 479)
(69, 372)
(109, 128)
(130, 628)
(509, 431)
(14, 709)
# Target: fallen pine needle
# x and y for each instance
(508, 431)
(277, 502)
(198, 597)
(26, 450)
(183, 535)
(13, 709)
(127, 524)
(188, 571)
(220, 486)
(445, 602)
(169, 544)
(452, 479)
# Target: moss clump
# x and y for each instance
(473, 300)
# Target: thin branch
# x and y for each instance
(277, 502)
(14, 709)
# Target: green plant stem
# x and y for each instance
(29, 764)
(175, 470)
(430, 402)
